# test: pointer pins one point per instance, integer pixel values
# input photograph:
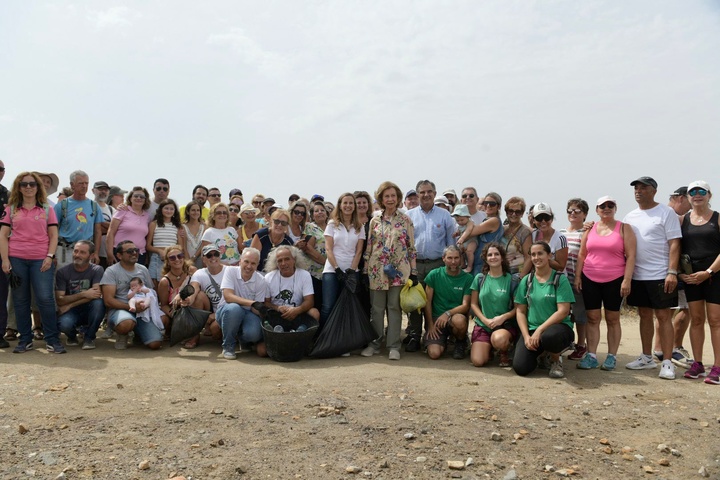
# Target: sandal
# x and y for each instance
(38, 334)
(190, 344)
(11, 334)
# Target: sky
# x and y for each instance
(547, 100)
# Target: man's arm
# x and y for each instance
(671, 278)
(97, 238)
(108, 293)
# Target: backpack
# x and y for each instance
(529, 278)
(514, 282)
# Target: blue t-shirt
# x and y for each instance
(79, 220)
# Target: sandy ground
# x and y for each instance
(103, 413)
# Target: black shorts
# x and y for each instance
(709, 290)
(442, 339)
(651, 294)
(597, 295)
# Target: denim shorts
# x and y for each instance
(147, 331)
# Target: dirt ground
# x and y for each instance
(137, 414)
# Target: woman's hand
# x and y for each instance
(578, 284)
(696, 278)
(532, 342)
(176, 301)
(46, 264)
(6, 267)
(625, 287)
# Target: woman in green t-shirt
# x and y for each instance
(543, 301)
(491, 302)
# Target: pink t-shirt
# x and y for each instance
(132, 227)
(29, 239)
(605, 260)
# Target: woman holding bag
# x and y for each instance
(389, 262)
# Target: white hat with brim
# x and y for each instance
(53, 178)
(699, 184)
(606, 198)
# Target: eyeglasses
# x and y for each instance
(141, 197)
(2, 169)
(162, 189)
(221, 212)
(212, 254)
(510, 211)
(257, 202)
(605, 205)
(695, 191)
(28, 184)
(543, 217)
(214, 195)
(280, 222)
(488, 203)
(234, 210)
(299, 213)
(576, 211)
(468, 195)
(132, 251)
(179, 256)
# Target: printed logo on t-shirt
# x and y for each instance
(77, 286)
(285, 296)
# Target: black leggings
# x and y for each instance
(555, 339)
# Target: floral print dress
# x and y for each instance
(390, 242)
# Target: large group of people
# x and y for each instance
(132, 259)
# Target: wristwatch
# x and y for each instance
(51, 255)
(709, 271)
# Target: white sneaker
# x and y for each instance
(667, 370)
(369, 351)
(643, 362)
(121, 342)
(394, 354)
(229, 354)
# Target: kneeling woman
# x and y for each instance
(543, 301)
(491, 302)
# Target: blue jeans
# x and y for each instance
(235, 321)
(4, 290)
(147, 332)
(42, 284)
(89, 314)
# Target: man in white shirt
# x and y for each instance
(242, 287)
(207, 293)
(654, 284)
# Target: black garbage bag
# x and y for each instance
(14, 279)
(187, 323)
(347, 328)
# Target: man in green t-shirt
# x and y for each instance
(448, 303)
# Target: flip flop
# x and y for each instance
(11, 334)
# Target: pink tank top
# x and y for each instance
(605, 260)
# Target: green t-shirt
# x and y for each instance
(544, 299)
(448, 290)
(494, 298)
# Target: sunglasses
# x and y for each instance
(221, 212)
(543, 217)
(162, 189)
(141, 197)
(488, 203)
(132, 251)
(2, 169)
(214, 195)
(299, 213)
(280, 222)
(576, 211)
(234, 210)
(605, 205)
(257, 202)
(179, 256)
(692, 193)
(212, 254)
(28, 184)
(510, 211)
(468, 195)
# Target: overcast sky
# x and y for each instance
(547, 100)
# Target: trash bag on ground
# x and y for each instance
(412, 297)
(186, 323)
(347, 328)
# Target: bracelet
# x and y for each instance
(448, 314)
(672, 272)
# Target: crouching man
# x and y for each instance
(115, 285)
(448, 303)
